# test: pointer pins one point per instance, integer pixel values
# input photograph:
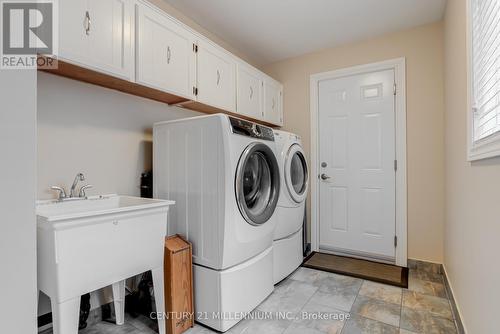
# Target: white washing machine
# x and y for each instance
(224, 176)
(288, 244)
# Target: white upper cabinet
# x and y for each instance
(249, 100)
(166, 58)
(216, 77)
(73, 39)
(273, 101)
(138, 42)
(98, 34)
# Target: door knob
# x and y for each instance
(325, 177)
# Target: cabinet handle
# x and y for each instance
(87, 19)
(251, 92)
(169, 54)
(218, 77)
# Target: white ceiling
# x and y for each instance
(272, 30)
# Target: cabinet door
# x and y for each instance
(216, 77)
(110, 36)
(98, 34)
(73, 41)
(273, 110)
(165, 56)
(249, 92)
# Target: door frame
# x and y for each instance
(399, 67)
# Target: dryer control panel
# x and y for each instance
(250, 129)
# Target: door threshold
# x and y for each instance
(359, 268)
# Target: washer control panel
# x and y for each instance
(250, 129)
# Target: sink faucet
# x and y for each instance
(72, 194)
(78, 177)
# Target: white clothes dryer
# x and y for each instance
(288, 244)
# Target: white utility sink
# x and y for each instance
(87, 244)
(57, 211)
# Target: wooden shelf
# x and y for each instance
(75, 72)
(93, 77)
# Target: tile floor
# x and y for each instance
(369, 307)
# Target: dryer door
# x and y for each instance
(296, 174)
(257, 183)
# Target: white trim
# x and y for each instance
(399, 67)
(488, 147)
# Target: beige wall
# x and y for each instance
(423, 49)
(472, 228)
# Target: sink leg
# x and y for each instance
(159, 298)
(119, 301)
(65, 316)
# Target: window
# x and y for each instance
(485, 78)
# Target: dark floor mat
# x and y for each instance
(369, 270)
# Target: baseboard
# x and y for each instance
(432, 267)
(454, 307)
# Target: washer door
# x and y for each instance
(296, 174)
(257, 183)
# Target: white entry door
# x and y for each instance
(357, 165)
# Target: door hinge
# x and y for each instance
(395, 241)
(195, 91)
(195, 48)
(394, 89)
(395, 165)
